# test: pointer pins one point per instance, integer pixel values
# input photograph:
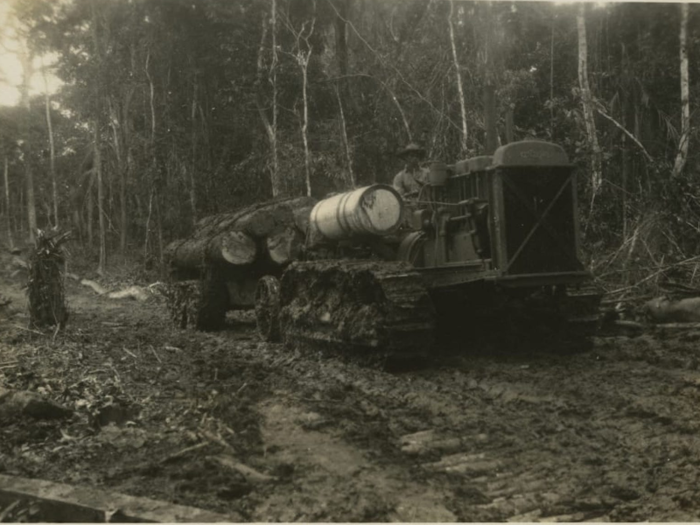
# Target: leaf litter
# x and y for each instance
(233, 425)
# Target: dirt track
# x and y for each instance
(530, 434)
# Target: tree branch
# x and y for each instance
(599, 109)
(391, 66)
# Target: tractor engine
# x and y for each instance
(510, 218)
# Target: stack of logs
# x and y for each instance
(265, 235)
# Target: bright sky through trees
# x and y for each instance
(10, 66)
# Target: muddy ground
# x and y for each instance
(261, 432)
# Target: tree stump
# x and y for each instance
(45, 286)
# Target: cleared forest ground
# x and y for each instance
(261, 432)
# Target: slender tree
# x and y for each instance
(52, 147)
(97, 144)
(458, 76)
(489, 88)
(270, 127)
(303, 50)
(193, 138)
(588, 104)
(682, 154)
(6, 173)
(26, 60)
(346, 142)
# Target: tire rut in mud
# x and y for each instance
(531, 436)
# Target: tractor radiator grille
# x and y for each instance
(540, 227)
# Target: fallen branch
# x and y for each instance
(6, 512)
(95, 286)
(633, 299)
(28, 330)
(250, 474)
(677, 326)
(155, 354)
(133, 292)
(659, 271)
(217, 439)
(634, 325)
(183, 452)
(17, 261)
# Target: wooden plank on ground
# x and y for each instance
(58, 502)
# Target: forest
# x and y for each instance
(256, 376)
(169, 111)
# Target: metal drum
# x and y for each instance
(372, 210)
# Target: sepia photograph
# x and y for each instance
(338, 261)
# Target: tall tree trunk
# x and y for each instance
(510, 123)
(458, 74)
(98, 145)
(587, 102)
(148, 225)
(270, 127)
(90, 204)
(551, 83)
(6, 172)
(100, 198)
(119, 146)
(305, 124)
(490, 118)
(52, 149)
(346, 142)
(303, 57)
(124, 171)
(489, 89)
(682, 155)
(341, 46)
(152, 150)
(193, 140)
(276, 178)
(342, 88)
(26, 58)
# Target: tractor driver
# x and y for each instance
(410, 181)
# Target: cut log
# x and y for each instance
(263, 221)
(234, 247)
(661, 310)
(302, 217)
(259, 223)
(187, 253)
(233, 238)
(284, 246)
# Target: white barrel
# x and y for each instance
(373, 210)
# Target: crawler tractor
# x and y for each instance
(489, 242)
